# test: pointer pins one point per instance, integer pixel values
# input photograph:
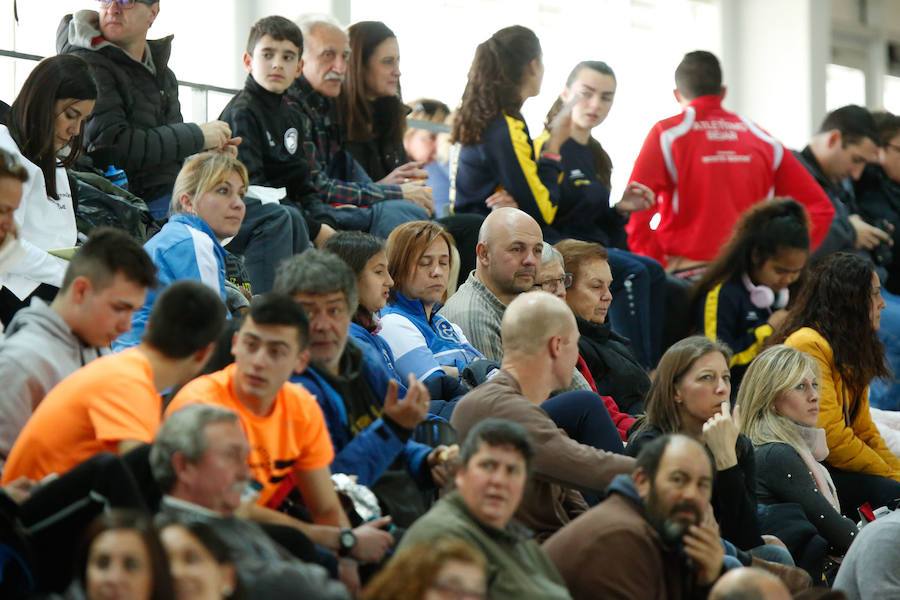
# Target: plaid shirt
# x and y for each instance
(323, 145)
(479, 313)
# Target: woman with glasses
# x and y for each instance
(551, 276)
(44, 134)
(607, 356)
(424, 343)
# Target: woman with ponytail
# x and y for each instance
(743, 294)
(497, 165)
(639, 283)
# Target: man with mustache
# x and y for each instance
(346, 196)
(540, 337)
(653, 537)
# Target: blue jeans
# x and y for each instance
(885, 393)
(638, 305)
(378, 219)
(270, 234)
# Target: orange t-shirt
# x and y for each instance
(293, 436)
(110, 400)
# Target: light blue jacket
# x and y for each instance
(185, 248)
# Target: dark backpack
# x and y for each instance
(98, 202)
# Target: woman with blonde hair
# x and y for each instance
(448, 568)
(207, 207)
(779, 406)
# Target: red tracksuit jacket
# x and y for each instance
(707, 166)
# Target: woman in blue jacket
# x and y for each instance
(207, 207)
(365, 255)
(424, 343)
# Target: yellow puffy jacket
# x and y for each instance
(853, 445)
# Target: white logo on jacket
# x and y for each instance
(290, 140)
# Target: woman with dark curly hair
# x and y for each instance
(497, 165)
(448, 568)
(835, 319)
(742, 296)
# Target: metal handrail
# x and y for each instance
(200, 95)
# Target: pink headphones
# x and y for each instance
(763, 297)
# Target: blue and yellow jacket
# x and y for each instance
(505, 159)
(727, 314)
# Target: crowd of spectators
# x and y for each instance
(308, 351)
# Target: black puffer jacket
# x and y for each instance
(137, 123)
(878, 198)
(616, 371)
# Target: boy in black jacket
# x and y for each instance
(267, 124)
(273, 128)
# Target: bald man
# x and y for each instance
(749, 583)
(540, 339)
(508, 254)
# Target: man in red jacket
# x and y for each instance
(707, 166)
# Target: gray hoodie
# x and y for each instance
(38, 352)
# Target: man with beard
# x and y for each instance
(653, 537)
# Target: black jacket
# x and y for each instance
(380, 155)
(734, 491)
(616, 371)
(136, 123)
(878, 199)
(271, 128)
(841, 236)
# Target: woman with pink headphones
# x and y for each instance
(743, 295)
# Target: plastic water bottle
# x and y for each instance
(117, 176)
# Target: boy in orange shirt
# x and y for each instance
(289, 442)
(113, 404)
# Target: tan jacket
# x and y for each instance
(561, 466)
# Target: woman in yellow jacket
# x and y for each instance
(834, 320)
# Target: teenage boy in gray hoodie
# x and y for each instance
(105, 282)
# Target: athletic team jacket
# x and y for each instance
(271, 130)
(505, 160)
(707, 166)
(584, 210)
(185, 248)
(727, 314)
(421, 345)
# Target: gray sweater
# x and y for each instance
(38, 352)
(871, 569)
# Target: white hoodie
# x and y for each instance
(43, 223)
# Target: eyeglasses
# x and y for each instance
(551, 285)
(451, 589)
(123, 4)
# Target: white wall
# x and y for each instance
(774, 57)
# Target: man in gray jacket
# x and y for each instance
(105, 282)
